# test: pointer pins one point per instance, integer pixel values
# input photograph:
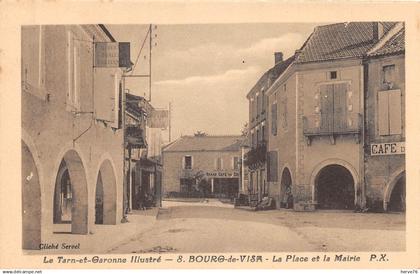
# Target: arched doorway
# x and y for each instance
(334, 188)
(71, 194)
(62, 196)
(286, 198)
(31, 201)
(396, 201)
(105, 195)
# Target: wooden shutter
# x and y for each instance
(327, 108)
(274, 119)
(272, 166)
(340, 107)
(31, 50)
(106, 88)
(383, 113)
(394, 102)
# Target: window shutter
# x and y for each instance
(383, 114)
(394, 101)
(31, 59)
(106, 88)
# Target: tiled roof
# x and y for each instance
(394, 45)
(206, 143)
(337, 41)
(271, 75)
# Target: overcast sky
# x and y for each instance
(207, 70)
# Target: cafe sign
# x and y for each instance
(387, 148)
(223, 174)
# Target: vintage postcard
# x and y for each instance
(149, 136)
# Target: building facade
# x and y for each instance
(385, 123)
(72, 142)
(204, 166)
(256, 157)
(321, 148)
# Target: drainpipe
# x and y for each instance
(364, 88)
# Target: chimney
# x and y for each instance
(378, 30)
(278, 57)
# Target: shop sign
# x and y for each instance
(387, 148)
(223, 174)
(112, 54)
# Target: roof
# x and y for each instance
(206, 143)
(396, 44)
(271, 75)
(341, 40)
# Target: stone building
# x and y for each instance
(385, 122)
(320, 149)
(205, 166)
(72, 142)
(256, 160)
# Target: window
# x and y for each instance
(388, 74)
(258, 103)
(333, 75)
(389, 112)
(219, 163)
(188, 164)
(263, 133)
(235, 163)
(274, 118)
(33, 54)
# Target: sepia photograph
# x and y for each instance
(213, 138)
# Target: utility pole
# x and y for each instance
(169, 122)
(150, 63)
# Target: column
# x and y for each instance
(212, 185)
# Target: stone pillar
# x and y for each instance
(212, 185)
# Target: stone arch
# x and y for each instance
(106, 193)
(332, 162)
(79, 189)
(395, 178)
(31, 196)
(286, 181)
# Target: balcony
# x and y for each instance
(332, 126)
(257, 156)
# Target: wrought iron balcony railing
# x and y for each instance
(332, 125)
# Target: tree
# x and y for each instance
(244, 130)
(200, 133)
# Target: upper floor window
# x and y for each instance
(235, 163)
(274, 118)
(389, 112)
(33, 56)
(332, 75)
(258, 103)
(219, 163)
(188, 162)
(388, 75)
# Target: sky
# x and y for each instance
(206, 70)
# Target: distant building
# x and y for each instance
(205, 166)
(72, 156)
(328, 109)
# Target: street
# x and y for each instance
(212, 226)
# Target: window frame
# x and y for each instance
(184, 162)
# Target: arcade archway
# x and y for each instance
(286, 198)
(71, 194)
(31, 201)
(105, 195)
(334, 188)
